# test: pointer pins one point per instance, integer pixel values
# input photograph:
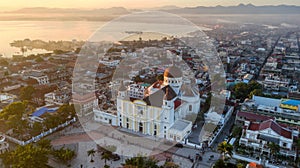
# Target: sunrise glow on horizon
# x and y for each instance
(16, 4)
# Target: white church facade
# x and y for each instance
(163, 110)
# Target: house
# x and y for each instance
(260, 135)
(58, 97)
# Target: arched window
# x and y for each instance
(141, 127)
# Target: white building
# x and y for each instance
(58, 97)
(136, 91)
(41, 78)
(162, 111)
(110, 63)
(107, 116)
(259, 135)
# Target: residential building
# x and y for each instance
(260, 135)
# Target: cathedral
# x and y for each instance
(163, 110)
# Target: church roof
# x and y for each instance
(173, 72)
(156, 99)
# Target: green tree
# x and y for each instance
(256, 92)
(36, 129)
(225, 149)
(220, 164)
(106, 155)
(140, 162)
(52, 121)
(45, 144)
(274, 149)
(27, 156)
(27, 92)
(12, 115)
(241, 91)
(240, 165)
(236, 131)
(170, 165)
(91, 153)
(39, 59)
(64, 155)
(254, 85)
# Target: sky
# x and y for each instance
(16, 4)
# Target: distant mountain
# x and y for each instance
(168, 7)
(105, 11)
(239, 9)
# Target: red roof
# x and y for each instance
(253, 117)
(177, 103)
(274, 126)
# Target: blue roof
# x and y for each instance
(291, 102)
(43, 110)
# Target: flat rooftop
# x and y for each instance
(180, 125)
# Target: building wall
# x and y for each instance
(252, 136)
(105, 117)
(132, 114)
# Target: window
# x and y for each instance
(155, 126)
(165, 127)
(284, 144)
(190, 108)
(141, 127)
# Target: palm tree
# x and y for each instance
(91, 153)
(225, 149)
(141, 162)
(106, 155)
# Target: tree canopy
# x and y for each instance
(64, 155)
(243, 90)
(27, 156)
(27, 92)
(12, 115)
(225, 149)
